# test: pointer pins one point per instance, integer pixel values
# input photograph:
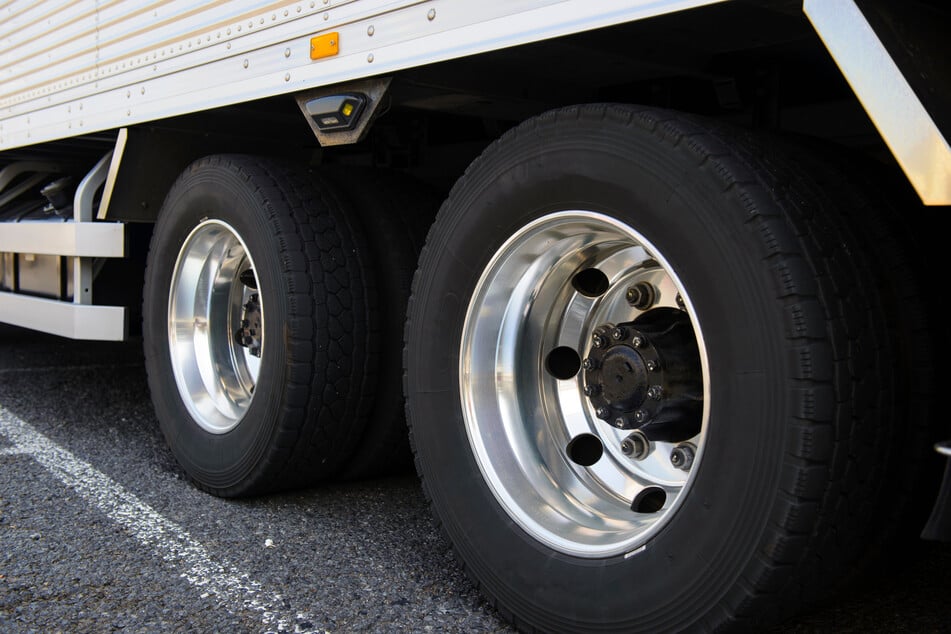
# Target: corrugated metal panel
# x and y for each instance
(50, 38)
(70, 67)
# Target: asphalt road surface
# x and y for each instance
(101, 531)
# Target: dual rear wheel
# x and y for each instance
(654, 370)
(652, 366)
(264, 332)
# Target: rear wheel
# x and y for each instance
(640, 377)
(886, 219)
(257, 326)
(395, 211)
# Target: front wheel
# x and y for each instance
(633, 360)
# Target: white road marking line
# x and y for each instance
(167, 539)
(63, 368)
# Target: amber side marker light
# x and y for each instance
(326, 45)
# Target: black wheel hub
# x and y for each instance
(623, 378)
(646, 375)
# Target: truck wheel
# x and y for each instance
(640, 373)
(257, 326)
(395, 212)
(885, 217)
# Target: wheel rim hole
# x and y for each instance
(590, 282)
(585, 449)
(650, 500)
(563, 363)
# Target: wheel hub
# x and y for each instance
(553, 332)
(215, 326)
(645, 375)
(249, 334)
(623, 379)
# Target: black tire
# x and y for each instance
(395, 212)
(788, 321)
(303, 415)
(886, 219)
(898, 467)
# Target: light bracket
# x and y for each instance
(341, 114)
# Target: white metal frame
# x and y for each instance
(905, 125)
(76, 321)
(69, 238)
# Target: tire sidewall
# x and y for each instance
(214, 192)
(699, 229)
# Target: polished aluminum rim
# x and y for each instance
(521, 418)
(215, 326)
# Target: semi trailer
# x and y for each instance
(648, 291)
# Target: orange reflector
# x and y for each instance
(325, 45)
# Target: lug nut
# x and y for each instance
(641, 296)
(636, 446)
(592, 390)
(620, 422)
(641, 416)
(682, 456)
(603, 413)
(680, 301)
(638, 341)
(598, 341)
(589, 364)
(619, 333)
(655, 392)
(652, 366)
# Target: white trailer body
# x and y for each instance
(73, 68)
(592, 388)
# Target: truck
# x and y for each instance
(646, 290)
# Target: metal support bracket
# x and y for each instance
(891, 104)
(101, 323)
(373, 89)
(83, 212)
(81, 239)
